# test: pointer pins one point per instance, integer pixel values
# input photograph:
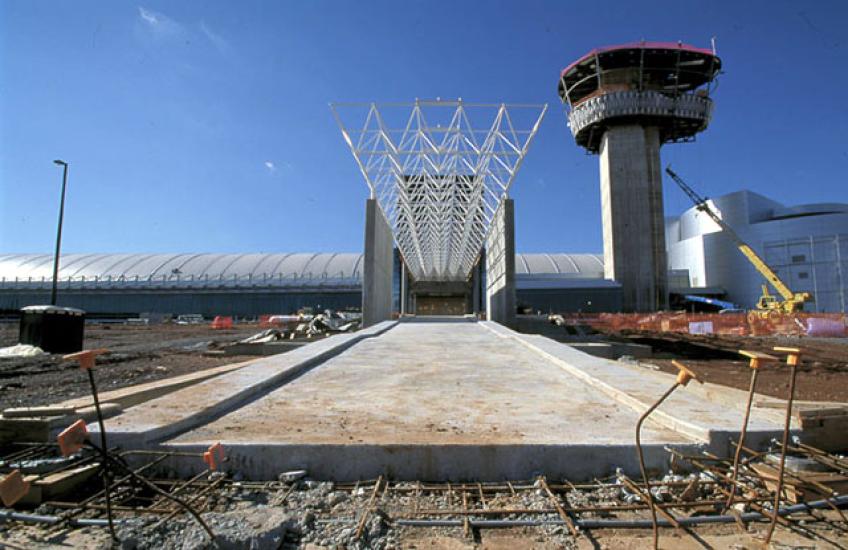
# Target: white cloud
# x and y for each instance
(159, 23)
(163, 29)
(148, 16)
(217, 40)
(270, 166)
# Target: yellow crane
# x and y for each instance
(791, 301)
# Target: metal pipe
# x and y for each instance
(624, 523)
(9, 515)
(104, 450)
(583, 523)
(59, 232)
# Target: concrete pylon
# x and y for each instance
(624, 102)
(632, 216)
(378, 266)
(500, 266)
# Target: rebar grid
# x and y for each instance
(469, 506)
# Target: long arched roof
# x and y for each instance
(579, 266)
(299, 269)
(296, 269)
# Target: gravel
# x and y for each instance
(311, 514)
(255, 527)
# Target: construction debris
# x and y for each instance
(269, 335)
(329, 322)
(295, 511)
(21, 350)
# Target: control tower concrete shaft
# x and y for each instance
(623, 103)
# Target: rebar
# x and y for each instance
(741, 442)
(792, 361)
(150, 485)
(684, 375)
(104, 471)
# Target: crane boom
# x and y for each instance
(792, 300)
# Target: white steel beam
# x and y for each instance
(439, 170)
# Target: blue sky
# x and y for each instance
(204, 126)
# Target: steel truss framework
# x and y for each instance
(439, 171)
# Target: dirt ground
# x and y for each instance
(815, 536)
(139, 355)
(822, 373)
(819, 537)
(144, 354)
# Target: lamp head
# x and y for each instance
(60, 162)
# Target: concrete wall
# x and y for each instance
(570, 300)
(500, 266)
(378, 266)
(632, 215)
(207, 302)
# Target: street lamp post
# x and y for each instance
(59, 231)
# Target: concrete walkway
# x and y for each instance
(157, 419)
(434, 401)
(437, 400)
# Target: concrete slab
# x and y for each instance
(438, 399)
(434, 400)
(185, 409)
(708, 412)
(264, 348)
(133, 395)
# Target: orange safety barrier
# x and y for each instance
(221, 321)
(753, 323)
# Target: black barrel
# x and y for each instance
(53, 329)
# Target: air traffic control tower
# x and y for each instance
(623, 103)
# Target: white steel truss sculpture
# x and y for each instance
(439, 171)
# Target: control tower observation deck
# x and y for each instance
(623, 103)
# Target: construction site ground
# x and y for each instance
(139, 354)
(312, 515)
(155, 352)
(822, 374)
(364, 514)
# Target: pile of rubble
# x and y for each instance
(306, 326)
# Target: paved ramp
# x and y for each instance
(445, 400)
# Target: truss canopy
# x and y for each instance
(439, 171)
